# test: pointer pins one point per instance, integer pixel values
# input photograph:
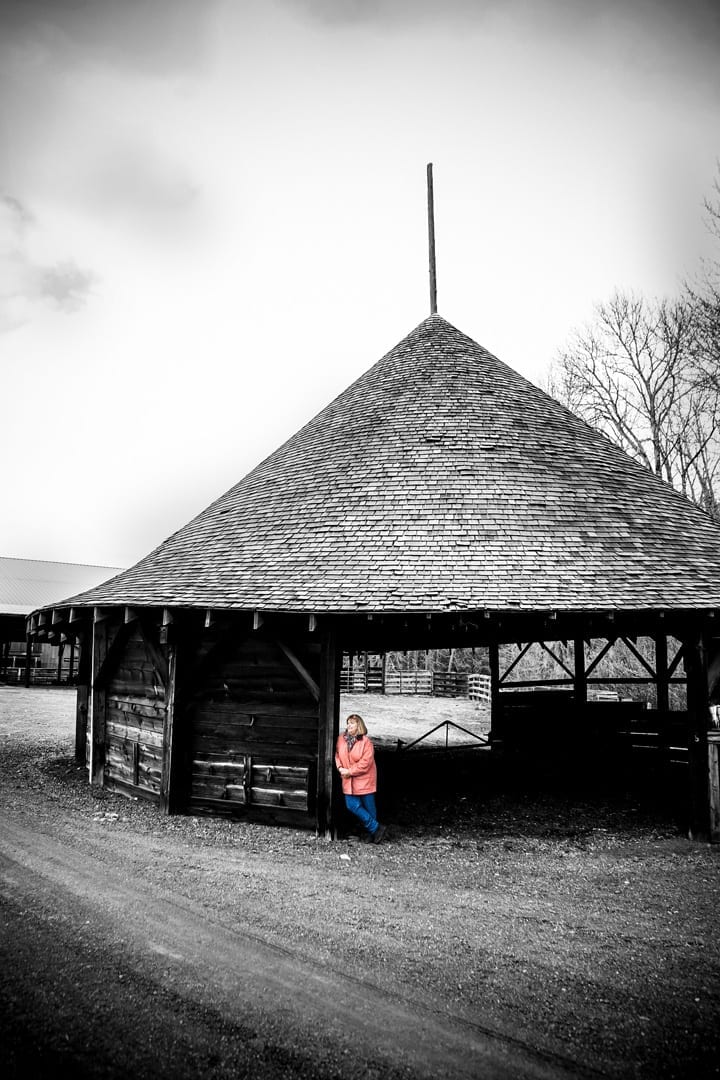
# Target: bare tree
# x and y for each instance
(637, 374)
(704, 294)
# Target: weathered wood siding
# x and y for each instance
(134, 717)
(253, 733)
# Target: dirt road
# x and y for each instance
(132, 933)
(136, 945)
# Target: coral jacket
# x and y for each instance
(361, 763)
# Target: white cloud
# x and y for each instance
(26, 283)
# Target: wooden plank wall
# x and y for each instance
(134, 716)
(253, 733)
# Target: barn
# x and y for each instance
(441, 500)
(26, 584)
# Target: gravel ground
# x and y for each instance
(503, 933)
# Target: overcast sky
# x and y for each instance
(213, 219)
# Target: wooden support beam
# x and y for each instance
(714, 785)
(675, 662)
(171, 778)
(98, 703)
(662, 678)
(130, 616)
(523, 652)
(57, 616)
(76, 615)
(115, 638)
(28, 659)
(257, 620)
(714, 668)
(312, 623)
(630, 645)
(580, 681)
(209, 618)
(494, 663)
(161, 664)
(84, 675)
(301, 670)
(603, 652)
(698, 708)
(99, 614)
(167, 616)
(546, 648)
(327, 792)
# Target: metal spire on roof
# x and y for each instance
(431, 240)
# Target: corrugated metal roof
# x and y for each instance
(27, 584)
(440, 480)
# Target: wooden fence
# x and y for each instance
(450, 684)
(39, 676)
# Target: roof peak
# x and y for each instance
(441, 479)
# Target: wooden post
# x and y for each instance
(698, 702)
(494, 662)
(662, 679)
(714, 669)
(28, 659)
(98, 703)
(328, 728)
(431, 241)
(714, 785)
(580, 681)
(82, 700)
(170, 779)
(61, 653)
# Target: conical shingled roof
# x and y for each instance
(440, 480)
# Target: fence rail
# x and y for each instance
(432, 683)
(39, 676)
(409, 682)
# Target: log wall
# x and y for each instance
(134, 718)
(252, 731)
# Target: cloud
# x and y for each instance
(28, 285)
(156, 35)
(19, 215)
(65, 283)
(695, 19)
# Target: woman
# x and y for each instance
(355, 760)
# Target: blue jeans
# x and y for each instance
(363, 807)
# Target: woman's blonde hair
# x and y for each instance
(362, 730)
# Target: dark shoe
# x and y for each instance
(378, 834)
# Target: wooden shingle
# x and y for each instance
(440, 480)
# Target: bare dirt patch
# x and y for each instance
(497, 932)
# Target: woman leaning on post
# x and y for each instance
(355, 761)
